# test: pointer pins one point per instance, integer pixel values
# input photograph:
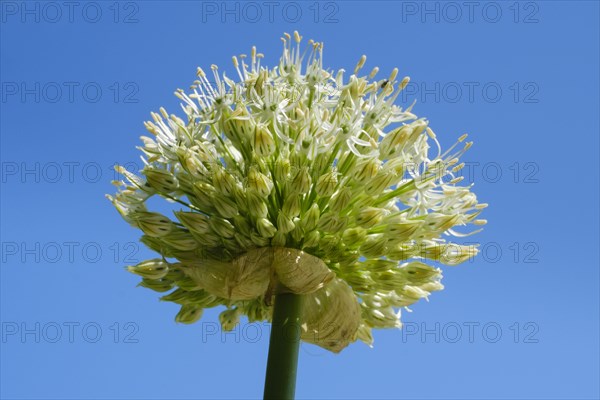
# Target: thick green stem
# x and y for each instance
(280, 382)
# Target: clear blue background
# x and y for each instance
(543, 296)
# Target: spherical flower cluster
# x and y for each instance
(298, 179)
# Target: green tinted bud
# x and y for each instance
(153, 224)
(241, 200)
(380, 265)
(257, 206)
(222, 227)
(374, 246)
(311, 218)
(440, 222)
(366, 170)
(298, 232)
(328, 243)
(175, 273)
(243, 242)
(284, 223)
(340, 200)
(223, 182)
(326, 184)
(157, 245)
(347, 162)
(291, 206)
(188, 314)
(161, 180)
(330, 222)
(354, 237)
(226, 207)
(401, 231)
(278, 240)
(388, 280)
(403, 251)
(349, 257)
(156, 268)
(194, 221)
(209, 239)
(191, 162)
(301, 182)
(455, 254)
(265, 228)
(229, 319)
(180, 240)
(264, 145)
(188, 284)
(370, 216)
(282, 169)
(203, 195)
(242, 225)
(259, 182)
(418, 273)
(394, 141)
(379, 183)
(259, 240)
(312, 239)
(158, 285)
(359, 281)
(179, 296)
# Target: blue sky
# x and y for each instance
(520, 321)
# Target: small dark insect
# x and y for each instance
(383, 84)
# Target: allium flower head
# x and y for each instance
(304, 180)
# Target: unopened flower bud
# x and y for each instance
(374, 246)
(242, 225)
(229, 319)
(282, 169)
(311, 218)
(284, 223)
(194, 221)
(366, 170)
(156, 268)
(380, 182)
(222, 227)
(203, 193)
(224, 182)
(225, 206)
(326, 184)
(279, 240)
(264, 145)
(180, 240)
(257, 206)
(259, 240)
(354, 237)
(330, 222)
(291, 206)
(259, 182)
(340, 199)
(370, 217)
(161, 180)
(153, 224)
(158, 285)
(188, 314)
(312, 239)
(265, 228)
(301, 182)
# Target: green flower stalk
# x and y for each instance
(298, 181)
